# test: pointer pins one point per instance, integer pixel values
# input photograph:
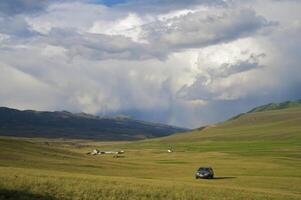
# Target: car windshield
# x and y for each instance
(204, 169)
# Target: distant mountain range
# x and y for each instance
(30, 123)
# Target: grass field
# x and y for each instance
(256, 156)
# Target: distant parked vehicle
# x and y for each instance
(204, 172)
(98, 152)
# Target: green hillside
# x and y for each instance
(275, 125)
(277, 106)
(255, 156)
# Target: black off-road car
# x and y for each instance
(204, 172)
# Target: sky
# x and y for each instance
(185, 63)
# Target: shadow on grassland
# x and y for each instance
(22, 195)
(223, 177)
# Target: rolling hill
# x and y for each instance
(254, 156)
(64, 124)
(245, 131)
(277, 106)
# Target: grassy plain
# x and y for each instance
(256, 156)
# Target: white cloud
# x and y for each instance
(53, 51)
(21, 90)
(129, 26)
(70, 15)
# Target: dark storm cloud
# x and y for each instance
(12, 7)
(15, 26)
(228, 69)
(196, 30)
(164, 37)
(96, 46)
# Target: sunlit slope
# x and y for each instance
(277, 106)
(47, 169)
(276, 133)
(279, 125)
(254, 156)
